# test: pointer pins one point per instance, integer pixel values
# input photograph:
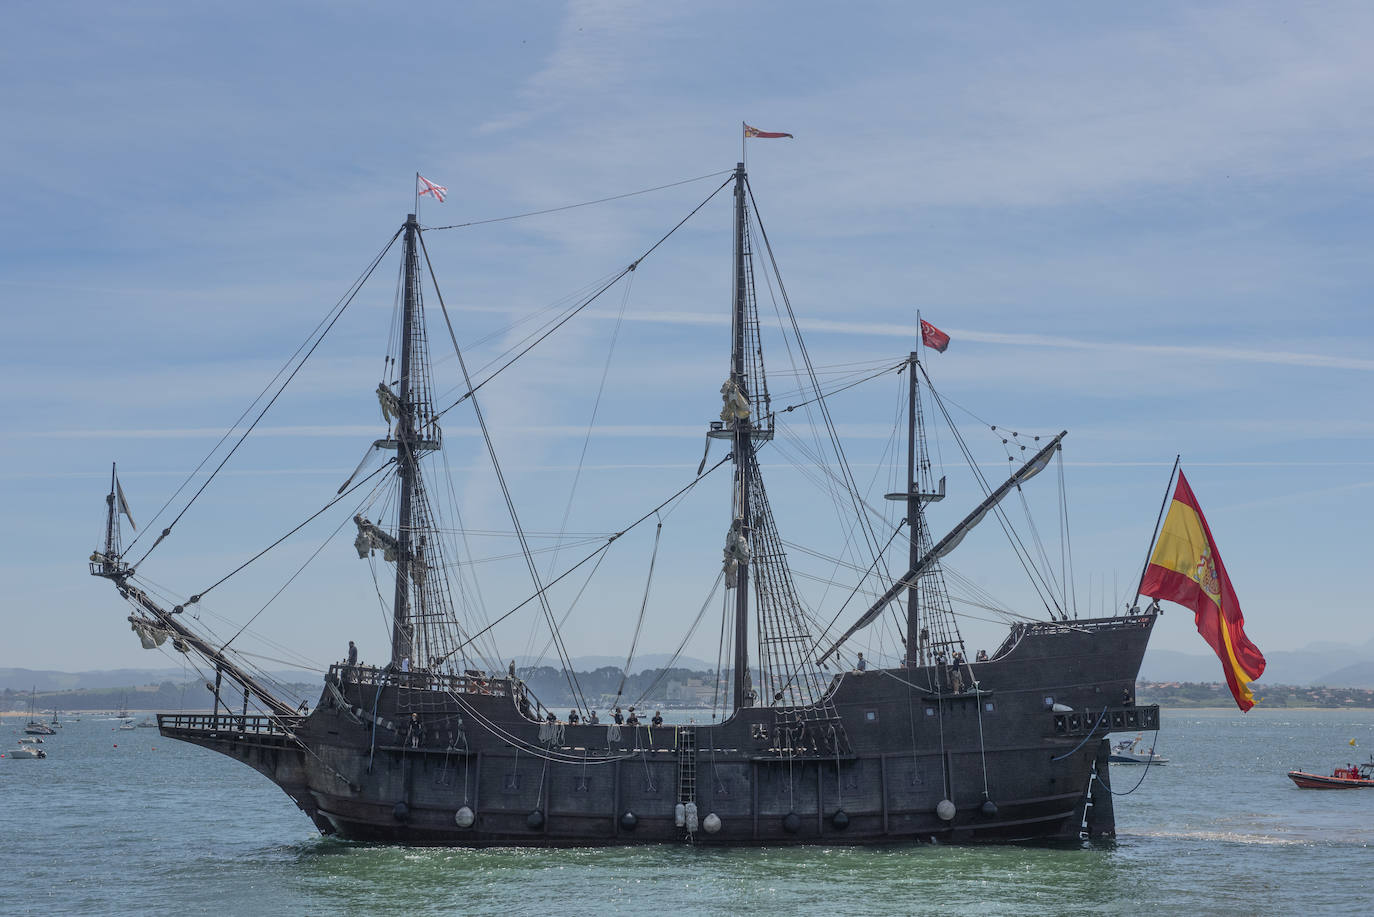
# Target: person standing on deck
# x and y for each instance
(352, 653)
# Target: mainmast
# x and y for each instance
(406, 454)
(743, 440)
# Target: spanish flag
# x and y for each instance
(1186, 568)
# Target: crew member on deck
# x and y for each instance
(617, 716)
(352, 653)
(862, 664)
(573, 718)
(981, 657)
(632, 720)
(657, 720)
(593, 719)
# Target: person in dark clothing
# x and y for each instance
(632, 720)
(657, 720)
(593, 720)
(352, 653)
(573, 718)
(862, 664)
(617, 717)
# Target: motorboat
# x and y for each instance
(1126, 752)
(1350, 777)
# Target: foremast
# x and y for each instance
(420, 601)
(402, 632)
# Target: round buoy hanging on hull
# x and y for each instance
(791, 822)
(535, 820)
(464, 817)
(711, 823)
(945, 810)
(628, 821)
(401, 811)
(840, 819)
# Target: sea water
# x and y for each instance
(128, 822)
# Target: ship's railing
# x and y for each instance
(1114, 719)
(252, 724)
(1025, 628)
(471, 682)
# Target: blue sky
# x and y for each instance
(1148, 226)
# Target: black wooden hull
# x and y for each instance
(1022, 757)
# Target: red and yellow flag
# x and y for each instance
(1186, 568)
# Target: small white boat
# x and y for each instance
(147, 723)
(31, 740)
(127, 724)
(28, 751)
(1124, 752)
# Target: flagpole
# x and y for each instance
(1169, 489)
(416, 191)
(743, 146)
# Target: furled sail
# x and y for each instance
(370, 537)
(951, 541)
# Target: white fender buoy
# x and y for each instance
(691, 816)
(945, 809)
(464, 818)
(711, 823)
(680, 815)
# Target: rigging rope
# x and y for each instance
(472, 389)
(505, 493)
(353, 288)
(357, 287)
(197, 597)
(603, 200)
(610, 541)
(643, 606)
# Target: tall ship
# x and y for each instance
(445, 743)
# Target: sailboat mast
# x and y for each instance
(743, 442)
(405, 454)
(914, 520)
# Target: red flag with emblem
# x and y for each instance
(933, 337)
(755, 132)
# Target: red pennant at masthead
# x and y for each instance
(429, 187)
(755, 132)
(933, 337)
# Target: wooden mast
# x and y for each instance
(406, 455)
(743, 443)
(915, 520)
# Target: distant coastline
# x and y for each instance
(1216, 694)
